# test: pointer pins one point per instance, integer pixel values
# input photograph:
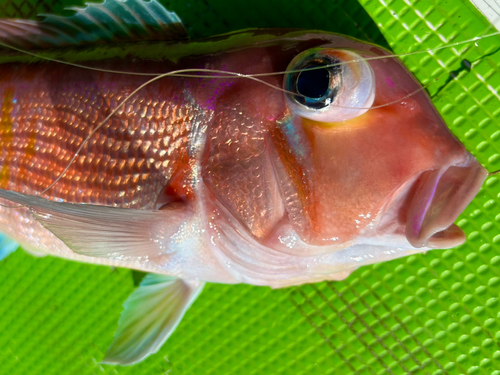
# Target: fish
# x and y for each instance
(269, 157)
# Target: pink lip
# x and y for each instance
(439, 196)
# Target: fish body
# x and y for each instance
(150, 151)
(225, 179)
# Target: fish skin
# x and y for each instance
(218, 145)
(51, 108)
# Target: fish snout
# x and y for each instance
(437, 198)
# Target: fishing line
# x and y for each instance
(74, 64)
(231, 74)
(222, 74)
(20, 206)
(113, 112)
(80, 148)
(226, 74)
(173, 73)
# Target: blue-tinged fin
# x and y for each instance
(150, 315)
(7, 246)
(108, 22)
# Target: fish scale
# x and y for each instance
(126, 163)
(236, 168)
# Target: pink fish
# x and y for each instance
(267, 157)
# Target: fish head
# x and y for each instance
(355, 166)
(377, 158)
(380, 159)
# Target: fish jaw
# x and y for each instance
(437, 198)
(355, 170)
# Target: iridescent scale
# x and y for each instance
(48, 110)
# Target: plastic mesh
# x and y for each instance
(429, 314)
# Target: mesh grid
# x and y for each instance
(428, 314)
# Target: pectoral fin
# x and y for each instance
(150, 315)
(106, 232)
(7, 246)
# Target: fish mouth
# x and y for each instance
(436, 199)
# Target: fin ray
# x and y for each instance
(106, 232)
(109, 21)
(149, 317)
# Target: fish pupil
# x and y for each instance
(313, 83)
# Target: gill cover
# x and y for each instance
(329, 85)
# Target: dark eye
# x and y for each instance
(329, 85)
(317, 83)
(313, 83)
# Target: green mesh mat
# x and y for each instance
(437, 313)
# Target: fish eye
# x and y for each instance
(329, 85)
(316, 84)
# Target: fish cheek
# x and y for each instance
(341, 188)
(358, 164)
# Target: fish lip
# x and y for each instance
(438, 197)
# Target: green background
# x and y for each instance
(437, 313)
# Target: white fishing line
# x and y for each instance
(225, 74)
(220, 74)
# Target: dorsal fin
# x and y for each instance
(107, 22)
